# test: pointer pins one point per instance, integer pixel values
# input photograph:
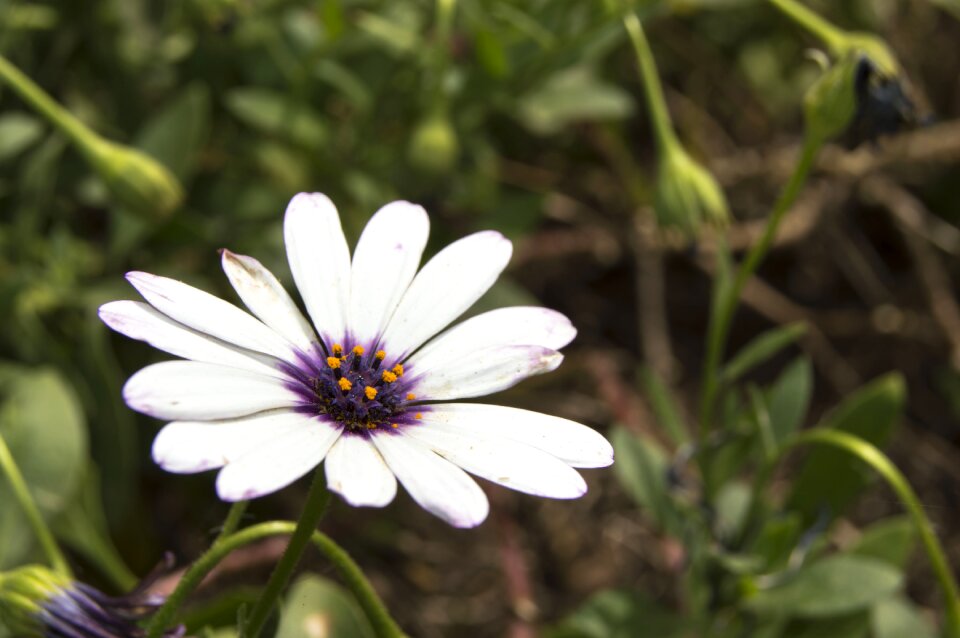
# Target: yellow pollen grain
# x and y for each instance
(418, 415)
(394, 425)
(337, 350)
(388, 376)
(411, 396)
(333, 362)
(380, 355)
(397, 370)
(371, 392)
(345, 384)
(358, 350)
(371, 426)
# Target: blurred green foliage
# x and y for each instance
(247, 102)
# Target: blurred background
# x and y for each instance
(524, 117)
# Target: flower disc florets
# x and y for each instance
(356, 388)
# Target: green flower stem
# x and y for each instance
(317, 500)
(352, 576)
(664, 134)
(232, 521)
(445, 13)
(832, 37)
(383, 624)
(879, 462)
(22, 494)
(205, 564)
(37, 98)
(729, 296)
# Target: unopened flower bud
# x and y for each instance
(137, 180)
(36, 602)
(24, 593)
(830, 103)
(434, 147)
(687, 195)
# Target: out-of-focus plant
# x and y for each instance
(687, 195)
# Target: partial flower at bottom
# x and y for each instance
(365, 385)
(38, 603)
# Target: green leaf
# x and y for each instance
(569, 96)
(836, 585)
(832, 478)
(788, 399)
(896, 617)
(18, 131)
(732, 504)
(176, 135)
(641, 468)
(777, 540)
(621, 614)
(761, 349)
(275, 113)
(663, 405)
(890, 540)
(317, 608)
(42, 423)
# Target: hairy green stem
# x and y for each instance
(22, 495)
(313, 509)
(349, 571)
(39, 100)
(831, 36)
(663, 131)
(878, 461)
(232, 522)
(354, 579)
(720, 322)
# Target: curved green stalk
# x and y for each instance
(869, 454)
(831, 36)
(356, 581)
(232, 521)
(22, 495)
(37, 98)
(353, 577)
(720, 320)
(659, 115)
(313, 509)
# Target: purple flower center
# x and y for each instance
(356, 389)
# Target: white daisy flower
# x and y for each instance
(361, 387)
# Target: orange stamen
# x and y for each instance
(380, 355)
(357, 350)
(333, 362)
(345, 384)
(388, 376)
(411, 396)
(397, 370)
(371, 392)
(337, 350)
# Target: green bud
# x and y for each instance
(23, 592)
(138, 181)
(434, 147)
(831, 102)
(687, 195)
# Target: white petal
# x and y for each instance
(208, 314)
(484, 372)
(514, 465)
(517, 326)
(187, 447)
(384, 264)
(439, 486)
(138, 320)
(446, 286)
(320, 262)
(573, 443)
(276, 464)
(190, 390)
(356, 471)
(267, 299)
